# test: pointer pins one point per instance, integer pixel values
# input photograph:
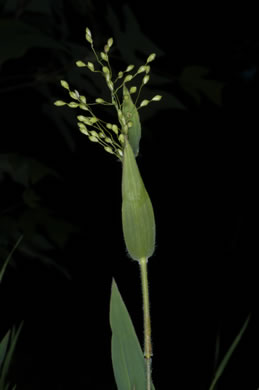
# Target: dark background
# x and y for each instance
(198, 159)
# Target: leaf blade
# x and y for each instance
(127, 357)
(3, 347)
(131, 114)
(2, 271)
(12, 337)
(228, 354)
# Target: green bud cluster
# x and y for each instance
(111, 136)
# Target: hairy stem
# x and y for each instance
(147, 322)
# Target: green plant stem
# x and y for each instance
(147, 322)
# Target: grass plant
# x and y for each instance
(122, 139)
(132, 369)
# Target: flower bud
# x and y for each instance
(99, 100)
(104, 56)
(151, 57)
(83, 107)
(128, 78)
(147, 69)
(156, 98)
(115, 129)
(73, 105)
(144, 103)
(83, 128)
(73, 95)
(80, 64)
(93, 138)
(82, 99)
(110, 42)
(90, 66)
(141, 69)
(59, 103)
(108, 149)
(121, 138)
(133, 90)
(105, 70)
(145, 79)
(110, 85)
(94, 133)
(129, 68)
(64, 84)
(88, 35)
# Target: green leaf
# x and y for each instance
(31, 6)
(127, 357)
(25, 170)
(57, 229)
(10, 339)
(129, 36)
(131, 114)
(3, 347)
(16, 38)
(228, 355)
(193, 81)
(138, 219)
(2, 270)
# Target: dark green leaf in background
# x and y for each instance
(193, 80)
(130, 40)
(17, 37)
(3, 347)
(228, 355)
(7, 346)
(28, 5)
(24, 169)
(3, 267)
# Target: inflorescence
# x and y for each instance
(110, 136)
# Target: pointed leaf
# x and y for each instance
(17, 37)
(131, 114)
(228, 355)
(3, 347)
(12, 338)
(2, 270)
(127, 357)
(195, 82)
(130, 39)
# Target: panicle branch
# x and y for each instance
(110, 136)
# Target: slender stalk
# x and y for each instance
(147, 322)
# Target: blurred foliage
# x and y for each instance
(193, 80)
(6, 261)
(7, 347)
(8, 342)
(27, 214)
